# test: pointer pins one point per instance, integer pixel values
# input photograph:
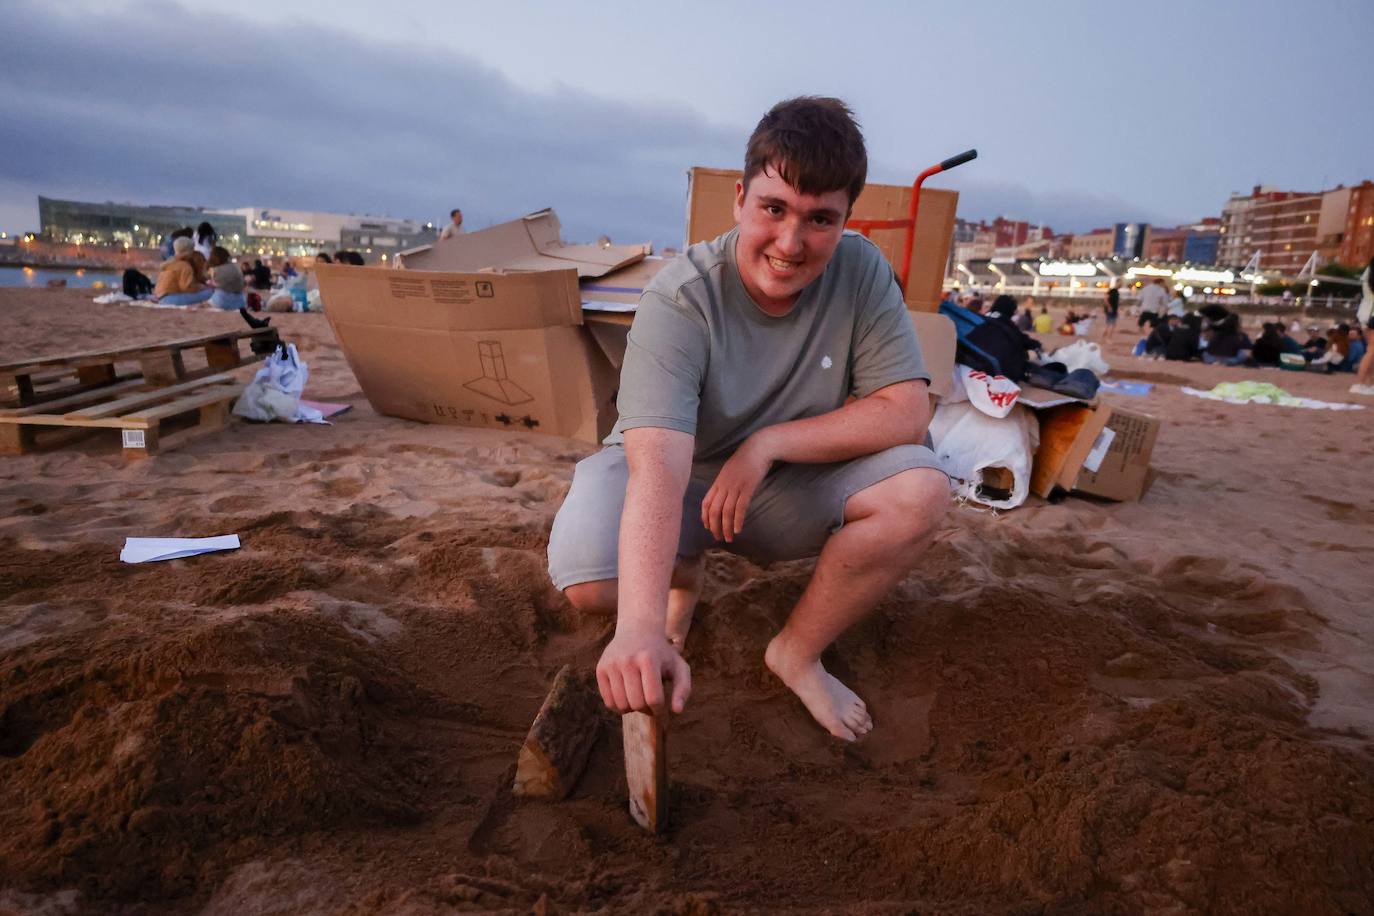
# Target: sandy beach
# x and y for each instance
(1153, 707)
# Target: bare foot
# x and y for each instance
(837, 708)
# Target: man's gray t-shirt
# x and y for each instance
(704, 359)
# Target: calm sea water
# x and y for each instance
(39, 276)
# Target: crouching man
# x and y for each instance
(737, 430)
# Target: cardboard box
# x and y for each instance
(496, 339)
(1101, 452)
(710, 211)
(505, 351)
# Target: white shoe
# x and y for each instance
(1362, 389)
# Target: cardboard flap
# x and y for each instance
(938, 339)
(433, 300)
(611, 337)
(530, 243)
(620, 290)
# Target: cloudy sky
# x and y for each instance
(1082, 113)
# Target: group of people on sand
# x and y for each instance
(196, 270)
(1215, 335)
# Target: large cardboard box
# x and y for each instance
(710, 211)
(498, 350)
(495, 338)
(1102, 452)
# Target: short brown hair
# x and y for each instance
(814, 143)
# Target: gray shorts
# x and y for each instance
(793, 512)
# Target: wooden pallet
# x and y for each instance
(149, 421)
(55, 378)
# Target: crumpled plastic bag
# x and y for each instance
(994, 395)
(967, 441)
(275, 392)
(1081, 354)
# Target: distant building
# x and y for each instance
(1203, 242)
(1095, 244)
(1166, 244)
(1284, 230)
(1196, 243)
(1357, 239)
(247, 231)
(1128, 239)
(1237, 243)
(130, 225)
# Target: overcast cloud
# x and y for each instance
(159, 103)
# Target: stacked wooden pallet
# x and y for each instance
(52, 378)
(160, 404)
(149, 421)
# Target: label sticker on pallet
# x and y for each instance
(133, 438)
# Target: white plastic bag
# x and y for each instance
(275, 392)
(994, 395)
(968, 440)
(1082, 355)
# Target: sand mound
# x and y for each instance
(128, 761)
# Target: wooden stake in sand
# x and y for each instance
(646, 768)
(556, 749)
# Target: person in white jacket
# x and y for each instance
(1364, 381)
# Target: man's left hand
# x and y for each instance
(725, 505)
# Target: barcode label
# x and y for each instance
(133, 438)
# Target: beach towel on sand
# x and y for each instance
(1265, 393)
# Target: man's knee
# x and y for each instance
(910, 506)
(593, 597)
(602, 595)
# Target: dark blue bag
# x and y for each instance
(968, 352)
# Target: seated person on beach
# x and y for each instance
(228, 280)
(262, 275)
(737, 430)
(205, 238)
(1337, 349)
(1185, 334)
(1043, 324)
(1157, 344)
(177, 283)
(1227, 345)
(169, 243)
(1004, 309)
(1316, 344)
(1269, 347)
(1358, 348)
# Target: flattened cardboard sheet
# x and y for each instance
(530, 243)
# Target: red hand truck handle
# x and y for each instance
(949, 163)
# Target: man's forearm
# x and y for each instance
(650, 524)
(897, 415)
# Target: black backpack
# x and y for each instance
(992, 345)
(136, 284)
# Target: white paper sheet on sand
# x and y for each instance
(148, 550)
(1308, 403)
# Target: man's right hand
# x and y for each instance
(633, 669)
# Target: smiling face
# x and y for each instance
(786, 238)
